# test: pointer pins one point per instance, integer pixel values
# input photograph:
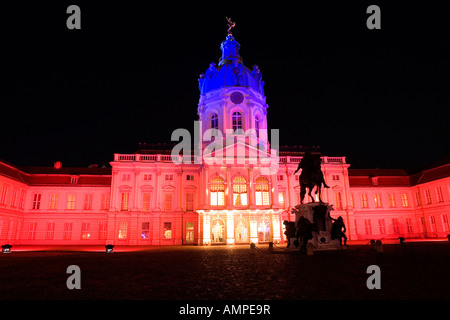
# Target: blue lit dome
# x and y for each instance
(231, 71)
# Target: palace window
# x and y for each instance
(404, 198)
(440, 195)
(71, 201)
(146, 201)
(214, 121)
(123, 230)
(167, 230)
(237, 121)
(85, 231)
(338, 200)
(147, 177)
(382, 226)
(189, 201)
(88, 201)
(217, 189)
(145, 230)
(378, 200)
(262, 191)
(167, 201)
(53, 205)
(50, 231)
(67, 230)
(364, 202)
(257, 126)
(36, 201)
(105, 201)
(124, 201)
(368, 226)
(281, 199)
(428, 196)
(102, 231)
(240, 191)
(391, 200)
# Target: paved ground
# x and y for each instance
(413, 271)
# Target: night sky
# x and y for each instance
(130, 75)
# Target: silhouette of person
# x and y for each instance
(304, 231)
(290, 231)
(336, 230)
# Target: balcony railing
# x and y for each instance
(191, 159)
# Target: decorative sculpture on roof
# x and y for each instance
(231, 25)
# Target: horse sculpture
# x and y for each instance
(311, 176)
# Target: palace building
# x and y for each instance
(230, 192)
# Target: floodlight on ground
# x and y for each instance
(109, 248)
(402, 240)
(6, 248)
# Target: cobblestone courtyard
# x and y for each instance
(412, 271)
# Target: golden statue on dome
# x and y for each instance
(231, 25)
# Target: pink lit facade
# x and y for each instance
(149, 198)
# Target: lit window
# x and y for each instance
(53, 205)
(71, 201)
(123, 230)
(146, 201)
(281, 199)
(85, 231)
(377, 200)
(214, 121)
(167, 230)
(124, 201)
(404, 197)
(217, 189)
(391, 200)
(237, 121)
(364, 202)
(145, 230)
(168, 202)
(189, 232)
(239, 191)
(262, 191)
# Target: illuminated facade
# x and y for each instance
(227, 193)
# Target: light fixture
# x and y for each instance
(6, 248)
(109, 248)
(402, 240)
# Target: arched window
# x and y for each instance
(264, 230)
(257, 126)
(217, 189)
(237, 121)
(217, 231)
(214, 121)
(240, 191)
(262, 192)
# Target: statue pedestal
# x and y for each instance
(319, 215)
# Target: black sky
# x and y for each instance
(379, 97)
